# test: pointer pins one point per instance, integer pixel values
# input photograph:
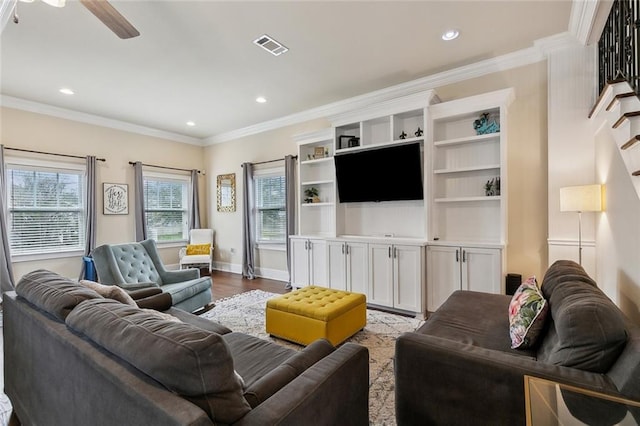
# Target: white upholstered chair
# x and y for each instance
(195, 254)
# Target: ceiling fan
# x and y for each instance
(105, 12)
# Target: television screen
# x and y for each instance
(391, 173)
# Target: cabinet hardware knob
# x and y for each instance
(464, 255)
(457, 256)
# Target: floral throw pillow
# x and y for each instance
(527, 313)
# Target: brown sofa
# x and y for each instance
(459, 368)
(72, 357)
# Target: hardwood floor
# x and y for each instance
(226, 284)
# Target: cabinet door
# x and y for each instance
(318, 262)
(408, 277)
(443, 274)
(482, 270)
(336, 265)
(299, 262)
(357, 270)
(381, 274)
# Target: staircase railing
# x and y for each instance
(618, 46)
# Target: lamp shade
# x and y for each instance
(584, 198)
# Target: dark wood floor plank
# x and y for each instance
(227, 284)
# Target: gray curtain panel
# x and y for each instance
(141, 223)
(290, 206)
(91, 214)
(248, 238)
(6, 271)
(194, 213)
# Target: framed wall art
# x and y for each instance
(115, 198)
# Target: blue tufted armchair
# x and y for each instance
(133, 266)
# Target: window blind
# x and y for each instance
(46, 209)
(166, 209)
(270, 208)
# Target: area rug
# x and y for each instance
(245, 313)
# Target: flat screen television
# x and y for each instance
(391, 173)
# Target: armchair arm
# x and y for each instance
(136, 286)
(440, 381)
(333, 391)
(182, 252)
(170, 277)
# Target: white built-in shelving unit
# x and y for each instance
(408, 255)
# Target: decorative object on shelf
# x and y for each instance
(403, 135)
(115, 198)
(485, 124)
(311, 195)
(492, 187)
(489, 188)
(419, 132)
(352, 141)
(318, 152)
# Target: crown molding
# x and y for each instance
(500, 63)
(583, 15)
(68, 114)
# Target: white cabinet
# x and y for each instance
(451, 268)
(396, 277)
(347, 266)
(308, 262)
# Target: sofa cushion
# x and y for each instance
(587, 330)
(263, 388)
(527, 313)
(474, 318)
(53, 293)
(110, 292)
(186, 359)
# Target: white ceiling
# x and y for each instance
(195, 60)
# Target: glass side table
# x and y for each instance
(549, 403)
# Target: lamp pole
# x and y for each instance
(580, 238)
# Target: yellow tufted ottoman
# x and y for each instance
(313, 312)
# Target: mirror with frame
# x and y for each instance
(227, 192)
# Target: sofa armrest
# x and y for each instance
(171, 277)
(335, 390)
(440, 381)
(137, 286)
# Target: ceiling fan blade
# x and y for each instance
(109, 16)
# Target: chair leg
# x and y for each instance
(205, 308)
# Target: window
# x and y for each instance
(166, 207)
(270, 201)
(46, 207)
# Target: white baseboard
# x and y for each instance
(271, 274)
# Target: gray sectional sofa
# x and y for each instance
(72, 357)
(459, 367)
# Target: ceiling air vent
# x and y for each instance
(270, 45)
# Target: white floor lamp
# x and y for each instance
(584, 198)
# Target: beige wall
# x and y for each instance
(21, 129)
(526, 253)
(527, 169)
(526, 161)
(226, 158)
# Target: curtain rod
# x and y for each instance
(50, 153)
(269, 161)
(164, 167)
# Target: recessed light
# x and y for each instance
(191, 123)
(450, 35)
(67, 91)
(261, 99)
